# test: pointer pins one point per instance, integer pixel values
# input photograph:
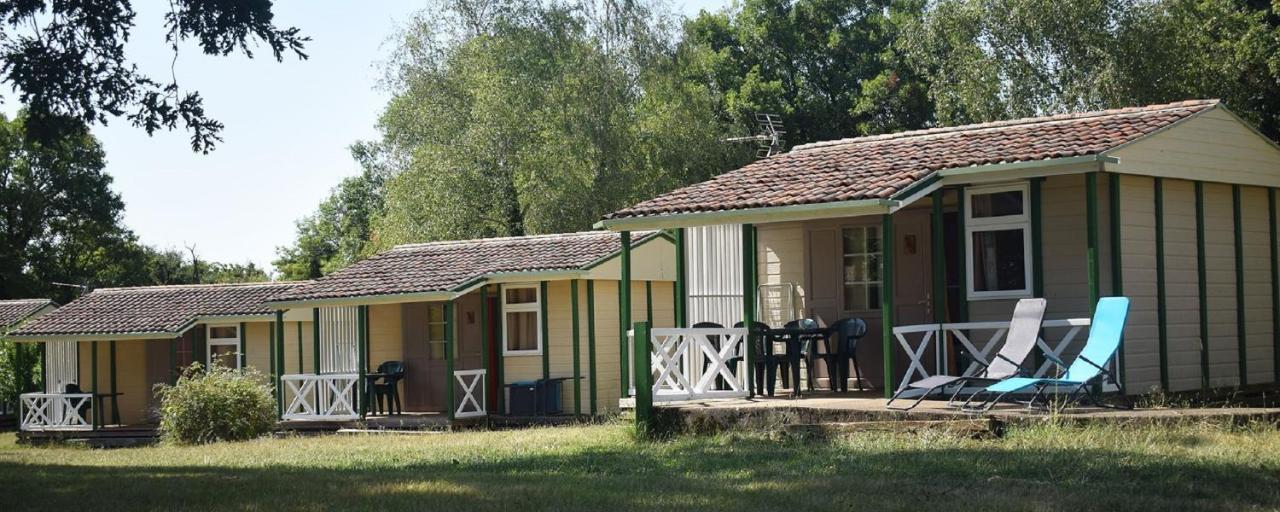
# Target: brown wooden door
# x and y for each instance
(423, 331)
(912, 278)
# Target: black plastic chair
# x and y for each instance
(767, 363)
(83, 408)
(847, 333)
(389, 387)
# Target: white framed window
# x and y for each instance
(997, 226)
(223, 345)
(860, 257)
(521, 320)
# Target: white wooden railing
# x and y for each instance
(55, 411)
(471, 405)
(320, 397)
(917, 340)
(687, 365)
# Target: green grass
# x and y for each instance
(604, 468)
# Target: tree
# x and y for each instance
(828, 67)
(515, 117)
(67, 64)
(998, 59)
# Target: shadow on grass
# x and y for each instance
(680, 475)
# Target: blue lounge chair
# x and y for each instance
(1105, 332)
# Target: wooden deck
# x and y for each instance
(825, 408)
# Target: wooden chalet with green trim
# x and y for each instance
(934, 234)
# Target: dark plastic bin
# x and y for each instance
(534, 397)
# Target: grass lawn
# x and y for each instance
(604, 468)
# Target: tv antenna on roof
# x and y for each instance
(769, 140)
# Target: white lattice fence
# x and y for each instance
(472, 384)
(320, 397)
(55, 411)
(689, 364)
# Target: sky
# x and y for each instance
(287, 129)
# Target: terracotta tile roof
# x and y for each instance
(153, 309)
(445, 266)
(17, 310)
(876, 167)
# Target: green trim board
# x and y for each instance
(962, 298)
(93, 374)
(449, 349)
(749, 294)
(1242, 330)
(483, 324)
(886, 300)
(173, 360)
(542, 324)
(624, 313)
(1117, 262)
(648, 302)
(938, 258)
(1162, 313)
(1202, 287)
(278, 328)
(362, 359)
(115, 400)
(591, 342)
(271, 350)
(244, 347)
(1275, 286)
(644, 389)
(577, 349)
(680, 304)
(1091, 238)
(315, 340)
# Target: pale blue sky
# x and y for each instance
(288, 126)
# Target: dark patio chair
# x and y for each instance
(806, 344)
(767, 363)
(388, 387)
(715, 342)
(83, 408)
(848, 332)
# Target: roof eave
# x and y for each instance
(752, 215)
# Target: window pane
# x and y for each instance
(522, 330)
(435, 313)
(855, 297)
(998, 261)
(855, 268)
(873, 240)
(854, 241)
(873, 296)
(522, 295)
(435, 332)
(223, 332)
(997, 204)
(873, 267)
(435, 350)
(223, 355)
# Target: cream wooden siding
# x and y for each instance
(386, 341)
(1220, 275)
(1212, 145)
(1256, 228)
(780, 259)
(298, 346)
(257, 341)
(1138, 268)
(608, 390)
(1182, 302)
(131, 378)
(714, 268)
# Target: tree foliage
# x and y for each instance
(66, 61)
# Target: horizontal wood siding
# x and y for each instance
(607, 387)
(386, 339)
(1220, 274)
(1213, 145)
(780, 256)
(1256, 228)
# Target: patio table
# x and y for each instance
(794, 339)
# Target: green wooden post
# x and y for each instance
(1091, 238)
(115, 400)
(315, 340)
(501, 379)
(1203, 287)
(299, 340)
(272, 354)
(279, 368)
(577, 349)
(591, 342)
(939, 259)
(1117, 263)
(1162, 315)
(173, 361)
(546, 339)
(1275, 286)
(93, 374)
(886, 299)
(484, 345)
(449, 350)
(362, 357)
(962, 301)
(624, 312)
(243, 348)
(1037, 248)
(749, 297)
(1241, 329)
(648, 302)
(644, 388)
(681, 303)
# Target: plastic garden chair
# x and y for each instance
(1021, 338)
(848, 332)
(767, 363)
(389, 387)
(1105, 332)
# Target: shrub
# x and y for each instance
(216, 405)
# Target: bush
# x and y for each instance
(216, 405)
